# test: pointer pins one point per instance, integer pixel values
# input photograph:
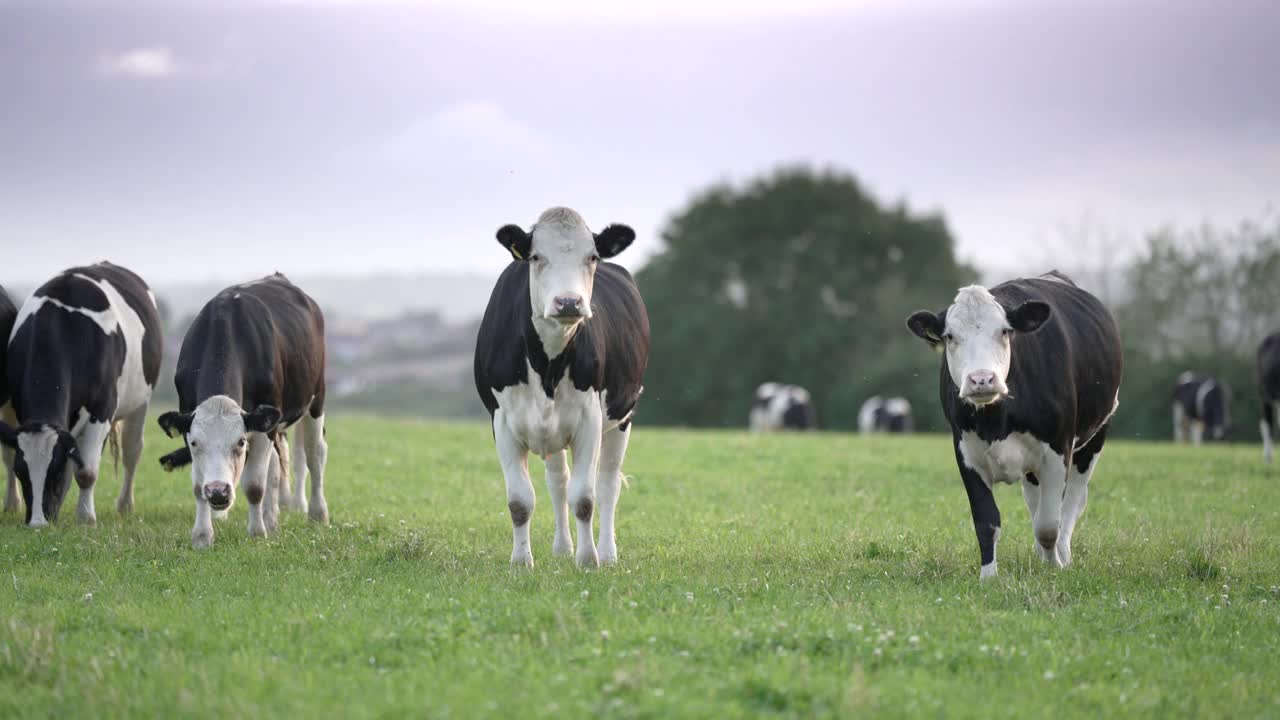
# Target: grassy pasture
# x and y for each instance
(792, 576)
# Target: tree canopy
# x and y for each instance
(799, 277)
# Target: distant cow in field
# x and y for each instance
(252, 365)
(1269, 389)
(559, 362)
(8, 313)
(778, 406)
(1030, 379)
(880, 415)
(84, 354)
(1201, 407)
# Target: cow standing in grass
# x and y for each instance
(8, 313)
(1030, 379)
(252, 364)
(1269, 389)
(880, 415)
(1201, 408)
(778, 406)
(559, 362)
(84, 354)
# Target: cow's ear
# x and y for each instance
(8, 436)
(1029, 316)
(175, 424)
(176, 459)
(927, 326)
(263, 419)
(614, 239)
(516, 241)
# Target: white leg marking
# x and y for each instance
(582, 482)
(1073, 503)
(271, 503)
(131, 432)
(90, 442)
(317, 451)
(1197, 432)
(297, 500)
(514, 459)
(1031, 496)
(202, 532)
(1263, 426)
(613, 448)
(256, 463)
(558, 486)
(989, 570)
(1047, 520)
(1179, 424)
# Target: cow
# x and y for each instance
(1030, 379)
(778, 406)
(1201, 406)
(559, 365)
(83, 356)
(251, 365)
(1269, 389)
(880, 415)
(8, 313)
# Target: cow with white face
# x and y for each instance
(559, 362)
(1269, 389)
(8, 314)
(778, 406)
(892, 415)
(1030, 379)
(84, 356)
(252, 365)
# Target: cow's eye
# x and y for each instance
(1007, 332)
(534, 257)
(194, 444)
(593, 259)
(241, 443)
(948, 337)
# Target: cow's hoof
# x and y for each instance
(124, 506)
(988, 571)
(522, 560)
(562, 546)
(587, 557)
(200, 541)
(259, 531)
(11, 506)
(608, 554)
(87, 519)
(319, 514)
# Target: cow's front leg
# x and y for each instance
(202, 531)
(90, 443)
(613, 448)
(582, 482)
(11, 501)
(1047, 520)
(255, 480)
(514, 457)
(1265, 426)
(986, 516)
(558, 486)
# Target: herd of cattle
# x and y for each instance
(1029, 381)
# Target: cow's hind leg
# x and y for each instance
(295, 498)
(131, 431)
(11, 502)
(271, 503)
(558, 486)
(1265, 426)
(613, 448)
(514, 459)
(317, 452)
(1047, 520)
(1083, 462)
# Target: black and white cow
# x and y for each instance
(559, 362)
(252, 364)
(84, 354)
(1201, 406)
(880, 415)
(1030, 379)
(1269, 389)
(782, 407)
(8, 313)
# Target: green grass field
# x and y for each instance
(823, 575)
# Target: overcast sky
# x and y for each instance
(201, 140)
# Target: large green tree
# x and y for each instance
(799, 277)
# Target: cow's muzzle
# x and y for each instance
(218, 495)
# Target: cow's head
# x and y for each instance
(44, 458)
(976, 333)
(562, 255)
(217, 435)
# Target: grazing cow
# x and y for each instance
(880, 415)
(8, 313)
(1201, 405)
(1269, 388)
(1030, 379)
(559, 362)
(782, 407)
(252, 364)
(84, 354)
